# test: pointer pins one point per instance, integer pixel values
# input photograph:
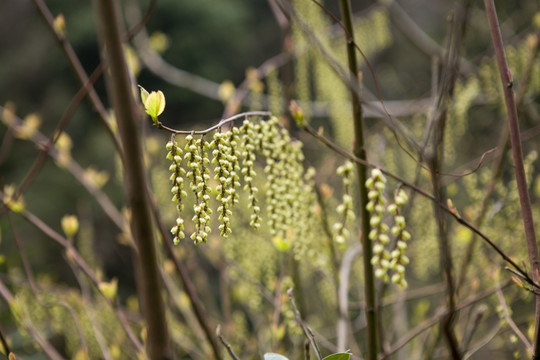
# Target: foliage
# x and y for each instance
(268, 207)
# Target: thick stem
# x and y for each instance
(360, 152)
(517, 155)
(121, 95)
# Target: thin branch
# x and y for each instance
(42, 142)
(437, 318)
(225, 343)
(344, 273)
(483, 343)
(517, 155)
(215, 127)
(91, 313)
(510, 321)
(419, 37)
(359, 150)
(474, 321)
(79, 70)
(128, 118)
(307, 332)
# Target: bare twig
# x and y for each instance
(78, 69)
(344, 272)
(435, 160)
(41, 141)
(215, 127)
(511, 322)
(487, 339)
(517, 155)
(307, 332)
(225, 343)
(472, 326)
(437, 318)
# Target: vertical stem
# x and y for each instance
(517, 155)
(121, 94)
(360, 152)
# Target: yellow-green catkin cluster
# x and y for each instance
(248, 132)
(175, 156)
(345, 209)
(398, 259)
(226, 174)
(387, 262)
(234, 154)
(284, 175)
(199, 174)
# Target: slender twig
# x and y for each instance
(78, 69)
(435, 159)
(419, 37)
(487, 339)
(225, 343)
(511, 322)
(68, 113)
(405, 339)
(215, 127)
(41, 141)
(344, 272)
(473, 323)
(359, 150)
(517, 155)
(305, 329)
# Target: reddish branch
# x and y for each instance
(517, 155)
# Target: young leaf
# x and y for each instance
(338, 356)
(273, 356)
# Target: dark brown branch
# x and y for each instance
(129, 119)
